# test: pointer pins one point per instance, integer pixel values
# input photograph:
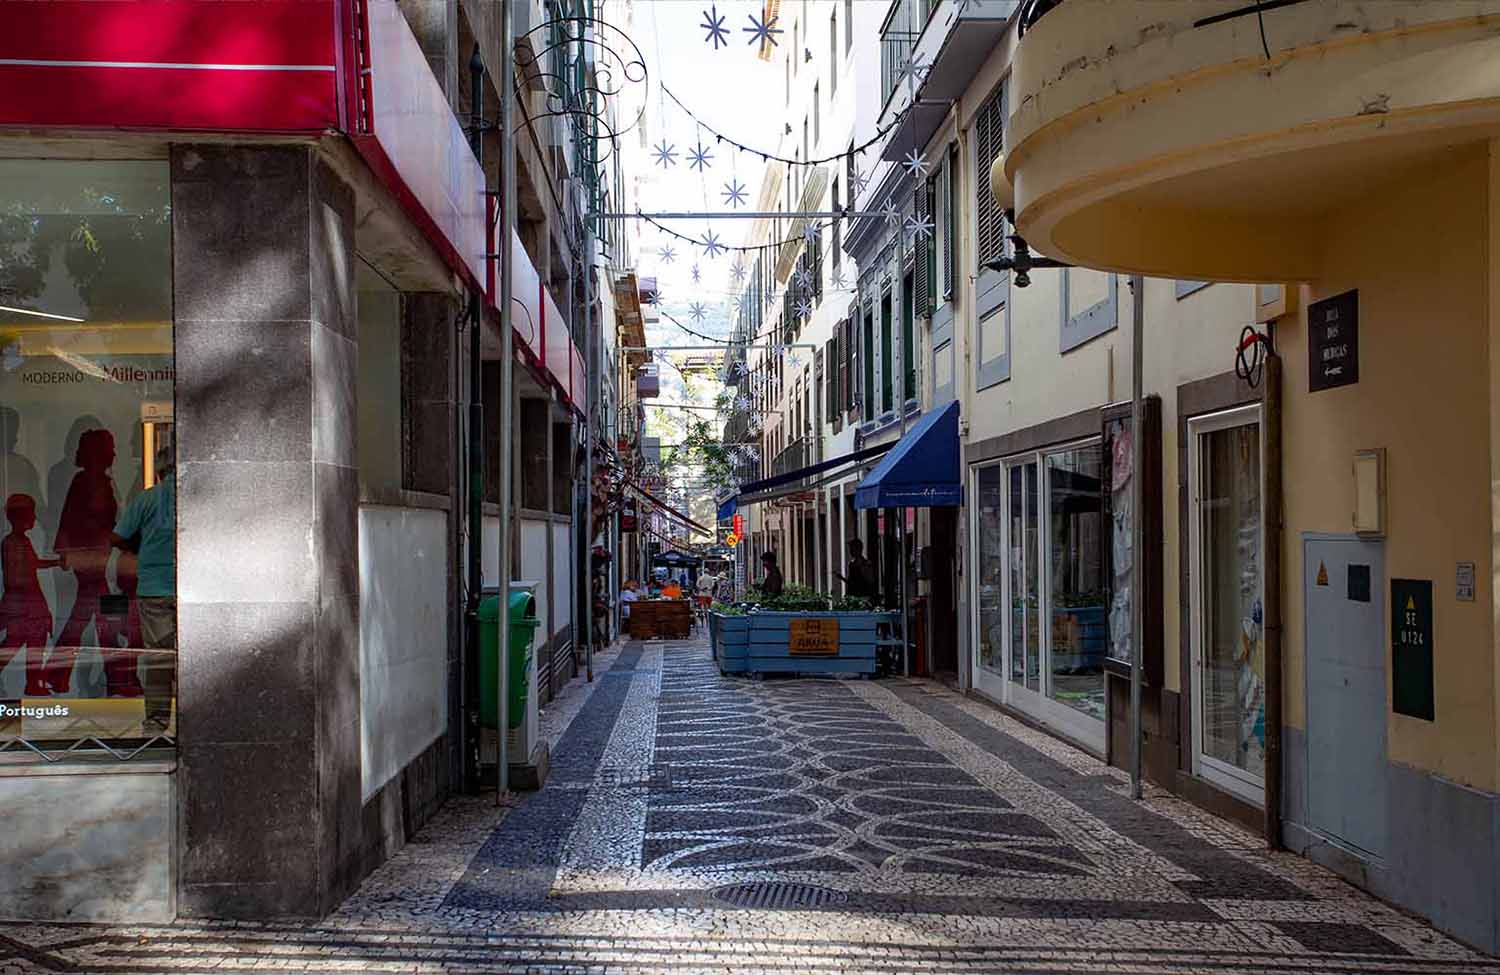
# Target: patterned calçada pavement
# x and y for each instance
(698, 823)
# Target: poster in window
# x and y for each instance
(1122, 541)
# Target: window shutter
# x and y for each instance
(950, 222)
(989, 220)
(855, 370)
(922, 299)
(830, 378)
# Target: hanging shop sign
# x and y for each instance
(1411, 648)
(1333, 342)
(814, 638)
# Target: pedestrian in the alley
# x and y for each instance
(628, 595)
(860, 581)
(772, 583)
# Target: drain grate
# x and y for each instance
(774, 894)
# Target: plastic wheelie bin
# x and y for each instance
(521, 622)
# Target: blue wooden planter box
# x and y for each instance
(769, 652)
(729, 638)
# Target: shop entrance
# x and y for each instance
(1040, 614)
(944, 591)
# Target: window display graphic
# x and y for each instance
(86, 383)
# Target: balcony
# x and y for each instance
(951, 41)
(1209, 139)
(793, 457)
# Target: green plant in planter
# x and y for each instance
(853, 604)
(728, 609)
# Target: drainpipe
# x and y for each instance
(507, 385)
(476, 470)
(1273, 622)
(1137, 528)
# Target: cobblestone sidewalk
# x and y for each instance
(697, 823)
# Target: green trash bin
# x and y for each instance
(522, 624)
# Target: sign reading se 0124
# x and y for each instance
(1333, 342)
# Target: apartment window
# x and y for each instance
(848, 25)
(833, 54)
(838, 228)
(989, 219)
(908, 340)
(867, 387)
(817, 122)
(887, 353)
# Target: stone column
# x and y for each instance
(269, 753)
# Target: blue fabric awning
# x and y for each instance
(923, 470)
(792, 481)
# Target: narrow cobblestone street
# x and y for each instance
(699, 823)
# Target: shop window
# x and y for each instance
(562, 468)
(534, 427)
(990, 582)
(1078, 631)
(87, 459)
(379, 431)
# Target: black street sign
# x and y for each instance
(1333, 342)
(1411, 647)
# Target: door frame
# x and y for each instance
(1068, 722)
(1236, 781)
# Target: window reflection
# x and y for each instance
(87, 454)
(991, 559)
(1075, 507)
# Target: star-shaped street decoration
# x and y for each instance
(666, 254)
(836, 280)
(697, 276)
(919, 228)
(914, 70)
(713, 22)
(763, 32)
(751, 453)
(738, 273)
(803, 278)
(741, 403)
(712, 246)
(857, 182)
(700, 158)
(915, 164)
(734, 193)
(737, 301)
(697, 311)
(666, 155)
(804, 309)
(811, 231)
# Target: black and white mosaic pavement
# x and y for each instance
(700, 823)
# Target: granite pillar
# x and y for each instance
(266, 339)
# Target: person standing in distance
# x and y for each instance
(772, 583)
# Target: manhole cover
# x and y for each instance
(774, 894)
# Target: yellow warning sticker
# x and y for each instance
(1322, 574)
(1411, 603)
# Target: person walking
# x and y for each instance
(771, 583)
(153, 515)
(861, 581)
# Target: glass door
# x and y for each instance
(1227, 539)
(1039, 604)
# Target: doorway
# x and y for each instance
(1226, 541)
(1343, 585)
(1040, 617)
(943, 590)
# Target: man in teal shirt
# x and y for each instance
(153, 514)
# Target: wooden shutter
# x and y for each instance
(950, 222)
(922, 299)
(989, 220)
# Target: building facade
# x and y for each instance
(1327, 633)
(251, 430)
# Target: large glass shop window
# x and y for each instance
(1075, 507)
(991, 542)
(87, 455)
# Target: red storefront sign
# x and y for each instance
(193, 65)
